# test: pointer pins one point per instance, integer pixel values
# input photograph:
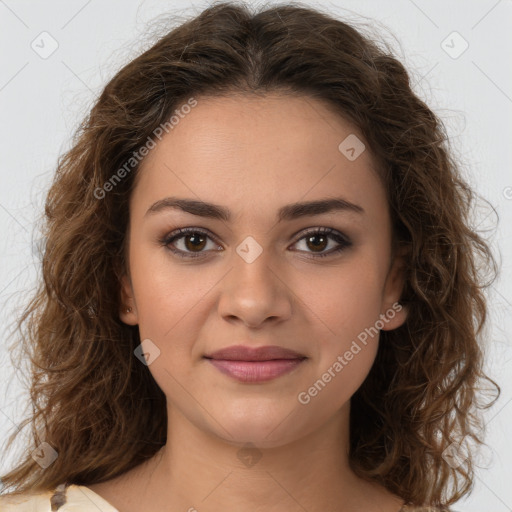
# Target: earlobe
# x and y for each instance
(394, 314)
(128, 311)
(394, 317)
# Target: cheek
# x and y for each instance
(346, 309)
(347, 341)
(166, 293)
(345, 300)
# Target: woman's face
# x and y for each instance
(253, 273)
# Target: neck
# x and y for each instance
(198, 471)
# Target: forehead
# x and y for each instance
(260, 151)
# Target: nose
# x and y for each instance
(255, 291)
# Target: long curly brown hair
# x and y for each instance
(92, 400)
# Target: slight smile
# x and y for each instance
(252, 365)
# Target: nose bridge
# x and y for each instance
(253, 290)
(252, 263)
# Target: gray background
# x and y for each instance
(43, 97)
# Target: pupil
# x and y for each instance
(198, 244)
(322, 237)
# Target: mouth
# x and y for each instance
(251, 365)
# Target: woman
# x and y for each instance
(260, 287)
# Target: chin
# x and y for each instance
(258, 438)
(263, 428)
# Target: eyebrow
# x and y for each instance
(288, 212)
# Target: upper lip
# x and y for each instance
(244, 353)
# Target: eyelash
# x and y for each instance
(182, 232)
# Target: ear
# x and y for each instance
(128, 312)
(393, 313)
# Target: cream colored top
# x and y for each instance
(78, 498)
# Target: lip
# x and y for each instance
(244, 353)
(260, 364)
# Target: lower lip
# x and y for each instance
(255, 371)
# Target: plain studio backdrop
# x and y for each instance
(58, 55)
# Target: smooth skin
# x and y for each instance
(254, 446)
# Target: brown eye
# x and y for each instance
(317, 240)
(189, 242)
(195, 241)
